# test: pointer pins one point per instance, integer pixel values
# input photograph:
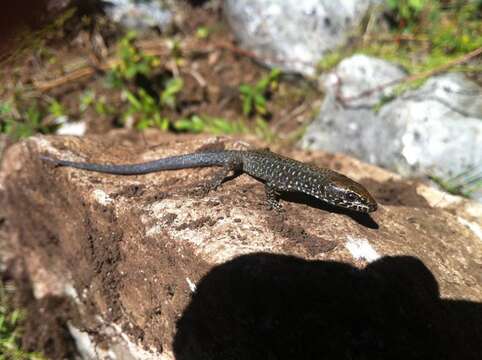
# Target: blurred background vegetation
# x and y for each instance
(141, 86)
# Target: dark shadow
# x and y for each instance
(265, 306)
(197, 3)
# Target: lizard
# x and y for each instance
(278, 173)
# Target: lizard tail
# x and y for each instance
(194, 160)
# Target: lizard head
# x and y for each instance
(346, 193)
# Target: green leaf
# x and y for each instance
(5, 109)
(246, 90)
(132, 99)
(417, 5)
(222, 125)
(56, 109)
(173, 87)
(202, 32)
(392, 4)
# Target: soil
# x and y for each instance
(396, 192)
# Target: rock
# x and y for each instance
(139, 15)
(359, 74)
(434, 130)
(157, 270)
(296, 34)
(67, 127)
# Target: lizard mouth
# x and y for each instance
(354, 206)
(363, 208)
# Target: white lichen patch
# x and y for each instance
(136, 351)
(46, 148)
(361, 249)
(45, 145)
(70, 291)
(119, 345)
(102, 197)
(72, 128)
(475, 228)
(86, 347)
(216, 233)
(191, 285)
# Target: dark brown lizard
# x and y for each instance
(279, 174)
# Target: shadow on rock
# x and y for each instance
(265, 306)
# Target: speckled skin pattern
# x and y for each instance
(280, 174)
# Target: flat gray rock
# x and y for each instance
(294, 34)
(139, 15)
(434, 130)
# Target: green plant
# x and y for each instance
(133, 74)
(146, 109)
(86, 100)
(208, 124)
(330, 60)
(459, 29)
(56, 109)
(10, 328)
(5, 109)
(449, 27)
(438, 39)
(24, 122)
(465, 184)
(202, 32)
(176, 53)
(103, 108)
(222, 126)
(98, 103)
(406, 12)
(172, 88)
(133, 62)
(254, 98)
(89, 99)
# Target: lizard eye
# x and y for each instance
(352, 196)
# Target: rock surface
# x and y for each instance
(434, 130)
(139, 15)
(157, 270)
(294, 34)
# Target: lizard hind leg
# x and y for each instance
(231, 167)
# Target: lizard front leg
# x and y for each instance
(272, 197)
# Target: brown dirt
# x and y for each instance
(396, 193)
